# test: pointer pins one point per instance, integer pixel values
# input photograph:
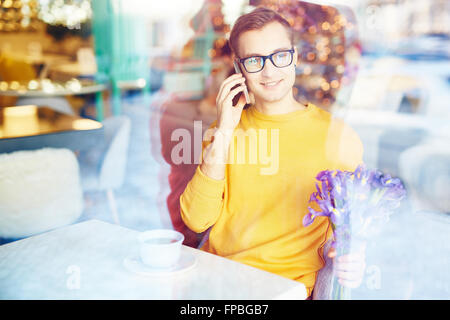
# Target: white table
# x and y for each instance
(84, 261)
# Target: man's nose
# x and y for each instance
(268, 68)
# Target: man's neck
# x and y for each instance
(285, 105)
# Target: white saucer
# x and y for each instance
(134, 264)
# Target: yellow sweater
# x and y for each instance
(256, 212)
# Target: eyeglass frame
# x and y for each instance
(291, 51)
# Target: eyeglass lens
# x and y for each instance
(280, 59)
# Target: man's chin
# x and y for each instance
(272, 98)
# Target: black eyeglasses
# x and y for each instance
(280, 59)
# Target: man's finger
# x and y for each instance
(342, 275)
(227, 84)
(350, 267)
(234, 92)
(358, 270)
(332, 253)
(241, 102)
(352, 257)
(350, 284)
(228, 88)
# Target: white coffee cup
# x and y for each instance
(160, 248)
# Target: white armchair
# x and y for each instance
(39, 190)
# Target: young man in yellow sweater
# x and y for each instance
(258, 170)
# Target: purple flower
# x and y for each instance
(364, 198)
(311, 215)
(324, 175)
(357, 203)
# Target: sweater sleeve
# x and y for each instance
(202, 201)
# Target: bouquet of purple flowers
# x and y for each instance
(358, 204)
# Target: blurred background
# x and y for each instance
(145, 68)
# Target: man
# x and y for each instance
(255, 208)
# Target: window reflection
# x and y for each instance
(380, 78)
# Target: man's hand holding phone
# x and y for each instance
(228, 116)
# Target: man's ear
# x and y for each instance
(234, 57)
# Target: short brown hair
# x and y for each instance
(256, 20)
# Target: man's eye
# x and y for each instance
(252, 61)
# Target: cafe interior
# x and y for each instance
(91, 91)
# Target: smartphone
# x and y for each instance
(238, 70)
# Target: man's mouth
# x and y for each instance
(270, 84)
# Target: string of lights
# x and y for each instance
(18, 15)
(68, 13)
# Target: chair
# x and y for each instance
(104, 168)
(39, 190)
(425, 169)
